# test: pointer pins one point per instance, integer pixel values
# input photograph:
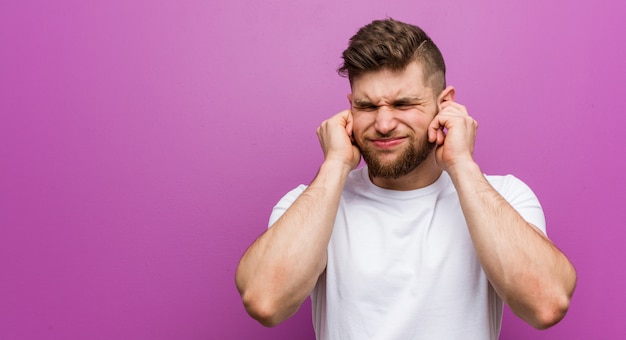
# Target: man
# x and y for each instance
(418, 244)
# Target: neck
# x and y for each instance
(422, 176)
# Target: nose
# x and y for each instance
(385, 120)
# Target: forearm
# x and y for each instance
(528, 272)
(280, 269)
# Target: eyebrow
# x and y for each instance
(399, 101)
(363, 103)
(406, 100)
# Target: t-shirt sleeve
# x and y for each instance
(521, 198)
(285, 203)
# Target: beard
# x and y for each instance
(415, 153)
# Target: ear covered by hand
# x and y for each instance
(335, 136)
(454, 132)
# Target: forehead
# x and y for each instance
(385, 85)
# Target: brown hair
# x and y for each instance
(393, 45)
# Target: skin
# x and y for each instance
(391, 111)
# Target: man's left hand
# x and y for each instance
(454, 131)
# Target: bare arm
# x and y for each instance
(527, 271)
(280, 269)
(525, 268)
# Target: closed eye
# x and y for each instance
(367, 108)
(404, 106)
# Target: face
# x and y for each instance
(391, 112)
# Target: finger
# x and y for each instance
(436, 129)
(445, 104)
(436, 125)
(440, 137)
(453, 107)
(432, 129)
(349, 123)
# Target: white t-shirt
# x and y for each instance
(401, 264)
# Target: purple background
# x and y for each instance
(144, 143)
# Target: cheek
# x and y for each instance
(418, 122)
(359, 125)
(357, 133)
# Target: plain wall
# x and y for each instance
(144, 143)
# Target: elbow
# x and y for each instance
(553, 311)
(549, 317)
(549, 314)
(258, 302)
(262, 309)
(544, 310)
(264, 302)
(552, 302)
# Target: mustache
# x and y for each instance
(390, 135)
(360, 142)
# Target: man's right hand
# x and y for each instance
(281, 268)
(335, 138)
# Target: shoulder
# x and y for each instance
(521, 197)
(293, 194)
(285, 202)
(355, 180)
(509, 186)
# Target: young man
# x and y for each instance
(418, 244)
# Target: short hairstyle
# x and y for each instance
(393, 45)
